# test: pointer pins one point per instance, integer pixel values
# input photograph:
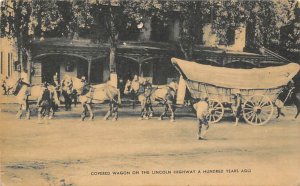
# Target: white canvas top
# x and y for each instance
(256, 78)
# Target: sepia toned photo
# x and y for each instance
(149, 92)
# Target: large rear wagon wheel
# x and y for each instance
(215, 111)
(258, 110)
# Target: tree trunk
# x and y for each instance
(114, 36)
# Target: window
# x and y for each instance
(11, 63)
(8, 67)
(159, 30)
(1, 62)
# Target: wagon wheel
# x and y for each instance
(215, 111)
(258, 110)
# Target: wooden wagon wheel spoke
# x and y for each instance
(249, 106)
(210, 116)
(258, 112)
(264, 116)
(252, 117)
(216, 111)
(256, 118)
(263, 104)
(219, 112)
(248, 109)
(247, 113)
(265, 113)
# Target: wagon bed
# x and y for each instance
(259, 88)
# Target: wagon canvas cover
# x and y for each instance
(256, 78)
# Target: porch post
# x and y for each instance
(140, 69)
(89, 69)
(29, 66)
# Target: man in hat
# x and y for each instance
(44, 102)
(237, 105)
(201, 108)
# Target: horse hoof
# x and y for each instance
(114, 119)
(140, 118)
(172, 120)
(160, 119)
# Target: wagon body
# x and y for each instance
(259, 88)
(224, 95)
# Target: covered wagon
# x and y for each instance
(259, 87)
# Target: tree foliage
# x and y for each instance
(105, 20)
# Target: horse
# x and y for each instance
(68, 87)
(146, 95)
(289, 92)
(94, 94)
(8, 85)
(25, 93)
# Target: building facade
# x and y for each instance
(144, 50)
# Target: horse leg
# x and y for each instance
(28, 111)
(109, 112)
(142, 113)
(298, 109)
(115, 111)
(296, 101)
(83, 113)
(172, 107)
(199, 129)
(297, 114)
(20, 112)
(164, 113)
(143, 107)
(40, 113)
(151, 110)
(75, 100)
(89, 107)
(52, 111)
(133, 100)
(278, 112)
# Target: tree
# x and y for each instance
(22, 21)
(290, 35)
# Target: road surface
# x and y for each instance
(67, 151)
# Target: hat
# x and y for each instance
(235, 91)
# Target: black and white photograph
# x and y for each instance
(149, 92)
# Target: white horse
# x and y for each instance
(27, 93)
(94, 94)
(8, 85)
(146, 95)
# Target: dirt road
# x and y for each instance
(148, 152)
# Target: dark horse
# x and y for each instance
(146, 95)
(69, 91)
(289, 92)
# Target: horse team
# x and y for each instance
(74, 90)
